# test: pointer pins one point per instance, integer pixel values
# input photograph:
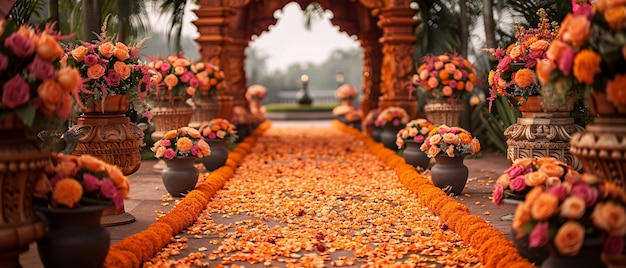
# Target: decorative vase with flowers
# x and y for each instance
(255, 95)
(391, 120)
(346, 94)
(580, 220)
(410, 138)
(72, 197)
(179, 148)
(35, 94)
(217, 133)
(449, 146)
(587, 60)
(369, 124)
(113, 80)
(205, 100)
(542, 130)
(447, 80)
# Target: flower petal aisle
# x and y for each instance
(319, 197)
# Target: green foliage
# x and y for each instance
(496, 119)
(277, 107)
(23, 10)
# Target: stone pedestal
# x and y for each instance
(542, 135)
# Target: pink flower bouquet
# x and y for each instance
(417, 130)
(446, 76)
(175, 78)
(346, 92)
(218, 129)
(210, 77)
(450, 141)
(256, 92)
(181, 142)
(395, 116)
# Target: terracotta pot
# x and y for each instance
(74, 237)
(534, 104)
(219, 154)
(22, 161)
(449, 173)
(414, 156)
(114, 104)
(180, 175)
(442, 112)
(589, 256)
(388, 136)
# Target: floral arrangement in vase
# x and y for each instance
(447, 76)
(256, 93)
(370, 118)
(515, 73)
(346, 92)
(109, 67)
(36, 89)
(210, 77)
(587, 55)
(74, 181)
(581, 208)
(218, 129)
(416, 129)
(395, 116)
(175, 78)
(182, 142)
(526, 173)
(450, 141)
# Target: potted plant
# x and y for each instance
(391, 120)
(410, 138)
(72, 197)
(217, 133)
(369, 124)
(179, 148)
(449, 146)
(447, 80)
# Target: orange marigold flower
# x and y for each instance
(615, 90)
(67, 192)
(524, 78)
(586, 66)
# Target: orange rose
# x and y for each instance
(172, 58)
(460, 85)
(465, 138)
(457, 75)
(615, 90)
(171, 81)
(48, 48)
(475, 146)
(79, 53)
(438, 65)
(68, 168)
(434, 139)
(179, 70)
(450, 68)
(190, 91)
(184, 144)
(569, 238)
(432, 82)
(515, 52)
(450, 138)
(115, 174)
(106, 49)
(204, 147)
(610, 217)
(469, 86)
(552, 170)
(447, 91)
(524, 162)
(124, 188)
(424, 74)
(544, 207)
(444, 75)
(544, 69)
(504, 180)
(159, 152)
(121, 52)
(181, 62)
(532, 195)
(170, 134)
(556, 49)
(540, 161)
(536, 178)
(520, 218)
(552, 181)
(67, 192)
(539, 45)
(122, 69)
(577, 31)
(156, 78)
(572, 208)
(444, 58)
(450, 151)
(91, 163)
(615, 16)
(95, 71)
(69, 79)
(50, 93)
(433, 150)
(194, 133)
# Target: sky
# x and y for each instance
(287, 41)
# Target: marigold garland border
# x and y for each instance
(491, 244)
(132, 251)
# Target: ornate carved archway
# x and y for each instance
(385, 29)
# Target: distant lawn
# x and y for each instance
(279, 107)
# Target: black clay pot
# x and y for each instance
(414, 156)
(449, 173)
(388, 136)
(180, 176)
(219, 154)
(376, 131)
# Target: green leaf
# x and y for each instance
(27, 114)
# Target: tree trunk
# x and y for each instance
(53, 12)
(91, 19)
(464, 28)
(489, 24)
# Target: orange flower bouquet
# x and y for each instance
(587, 56)
(218, 129)
(370, 118)
(35, 88)
(109, 67)
(450, 141)
(395, 116)
(175, 78)
(256, 92)
(526, 173)
(182, 142)
(565, 216)
(210, 77)
(416, 130)
(74, 181)
(515, 72)
(447, 76)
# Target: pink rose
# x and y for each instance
(107, 188)
(582, 190)
(16, 92)
(498, 194)
(212, 135)
(504, 64)
(165, 67)
(41, 69)
(186, 77)
(195, 150)
(118, 201)
(515, 171)
(517, 184)
(613, 245)
(91, 59)
(419, 139)
(91, 183)
(566, 59)
(20, 45)
(166, 143)
(539, 235)
(560, 191)
(113, 78)
(169, 153)
(194, 83)
(4, 62)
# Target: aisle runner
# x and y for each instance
(314, 198)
